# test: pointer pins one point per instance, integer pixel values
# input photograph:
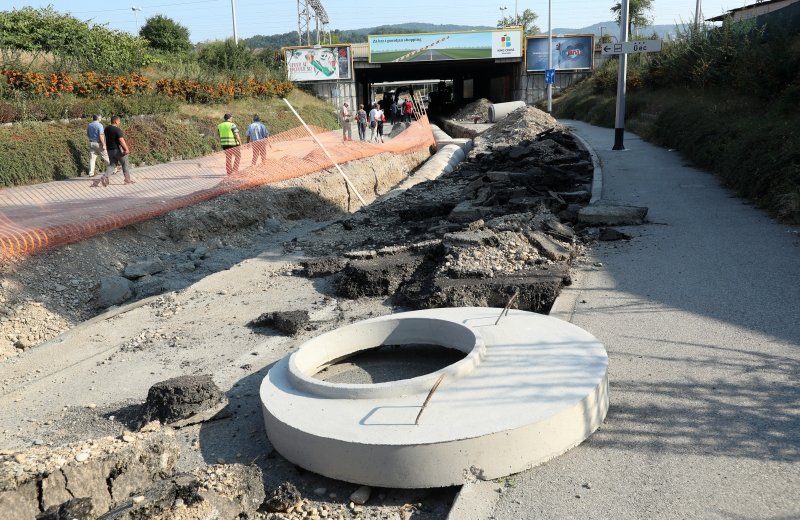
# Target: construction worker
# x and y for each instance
(230, 141)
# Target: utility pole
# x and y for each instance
(619, 123)
(697, 9)
(602, 27)
(516, 13)
(549, 53)
(233, 14)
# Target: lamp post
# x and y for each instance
(503, 16)
(136, 16)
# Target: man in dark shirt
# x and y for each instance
(117, 153)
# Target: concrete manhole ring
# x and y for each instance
(529, 388)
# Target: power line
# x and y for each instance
(146, 6)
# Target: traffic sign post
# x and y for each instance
(623, 48)
(631, 47)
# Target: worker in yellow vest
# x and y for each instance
(230, 141)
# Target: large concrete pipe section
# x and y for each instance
(450, 153)
(529, 388)
(498, 111)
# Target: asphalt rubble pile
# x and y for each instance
(504, 222)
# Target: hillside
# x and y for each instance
(275, 41)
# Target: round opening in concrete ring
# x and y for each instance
(529, 388)
(332, 347)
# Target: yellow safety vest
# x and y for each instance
(226, 136)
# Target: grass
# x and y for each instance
(274, 112)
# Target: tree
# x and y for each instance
(226, 56)
(526, 20)
(637, 13)
(164, 34)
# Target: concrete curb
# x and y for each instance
(475, 501)
(597, 178)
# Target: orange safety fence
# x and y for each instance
(36, 217)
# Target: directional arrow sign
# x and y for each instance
(632, 47)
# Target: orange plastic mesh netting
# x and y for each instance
(40, 216)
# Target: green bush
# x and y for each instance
(71, 107)
(71, 43)
(41, 152)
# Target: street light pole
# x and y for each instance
(503, 16)
(549, 53)
(136, 16)
(233, 15)
(619, 124)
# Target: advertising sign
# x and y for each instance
(318, 64)
(570, 52)
(471, 45)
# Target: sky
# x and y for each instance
(211, 19)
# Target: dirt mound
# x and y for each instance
(478, 108)
(522, 124)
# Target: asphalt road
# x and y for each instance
(699, 314)
(431, 55)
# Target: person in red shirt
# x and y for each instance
(408, 108)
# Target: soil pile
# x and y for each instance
(524, 123)
(476, 109)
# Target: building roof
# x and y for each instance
(731, 12)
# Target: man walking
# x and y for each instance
(230, 141)
(361, 118)
(97, 143)
(118, 151)
(344, 117)
(257, 134)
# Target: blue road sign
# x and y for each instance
(550, 76)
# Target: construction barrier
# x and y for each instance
(33, 218)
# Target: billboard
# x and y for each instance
(469, 45)
(570, 52)
(319, 63)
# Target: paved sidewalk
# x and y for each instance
(700, 314)
(55, 213)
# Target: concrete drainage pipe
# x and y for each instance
(498, 111)
(530, 388)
